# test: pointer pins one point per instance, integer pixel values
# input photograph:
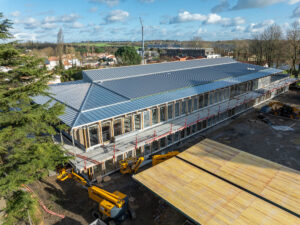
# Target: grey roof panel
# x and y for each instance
(68, 117)
(142, 103)
(99, 96)
(156, 83)
(70, 93)
(133, 71)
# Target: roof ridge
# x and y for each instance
(167, 71)
(83, 102)
(148, 64)
(111, 90)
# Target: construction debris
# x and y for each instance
(281, 109)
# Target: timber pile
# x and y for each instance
(198, 183)
(270, 180)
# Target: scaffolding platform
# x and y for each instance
(128, 142)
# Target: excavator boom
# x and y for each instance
(156, 159)
(112, 205)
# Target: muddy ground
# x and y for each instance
(246, 132)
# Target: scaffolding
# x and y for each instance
(124, 145)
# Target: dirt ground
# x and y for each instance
(245, 132)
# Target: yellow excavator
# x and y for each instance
(132, 165)
(112, 206)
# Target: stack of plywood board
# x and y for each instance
(212, 183)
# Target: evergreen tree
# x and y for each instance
(128, 56)
(27, 151)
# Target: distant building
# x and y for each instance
(52, 62)
(67, 60)
(149, 54)
(213, 56)
(184, 52)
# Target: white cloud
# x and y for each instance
(67, 18)
(15, 13)
(259, 27)
(296, 12)
(49, 25)
(31, 23)
(116, 16)
(212, 18)
(187, 17)
(229, 22)
(25, 36)
(221, 7)
(107, 2)
(50, 19)
(238, 29)
(291, 2)
(246, 4)
(77, 25)
(201, 31)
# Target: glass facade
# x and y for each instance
(106, 131)
(94, 135)
(117, 127)
(162, 113)
(154, 116)
(170, 111)
(128, 123)
(137, 122)
(146, 118)
(177, 109)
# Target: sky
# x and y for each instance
(118, 20)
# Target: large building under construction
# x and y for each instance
(122, 112)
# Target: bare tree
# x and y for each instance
(60, 46)
(272, 36)
(256, 48)
(195, 42)
(293, 37)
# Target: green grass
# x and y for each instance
(96, 44)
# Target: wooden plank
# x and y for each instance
(207, 199)
(272, 181)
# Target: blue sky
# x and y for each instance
(83, 20)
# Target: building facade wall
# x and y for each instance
(102, 132)
(164, 143)
(154, 116)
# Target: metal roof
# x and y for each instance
(149, 101)
(68, 117)
(141, 70)
(88, 102)
(70, 93)
(99, 96)
(156, 83)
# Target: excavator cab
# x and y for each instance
(111, 205)
(130, 165)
